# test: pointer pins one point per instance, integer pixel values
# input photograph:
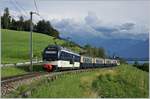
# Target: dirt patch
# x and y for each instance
(86, 83)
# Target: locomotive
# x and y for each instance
(60, 58)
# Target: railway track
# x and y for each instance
(9, 84)
(20, 77)
(34, 74)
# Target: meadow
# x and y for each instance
(128, 82)
(15, 45)
(124, 81)
(18, 70)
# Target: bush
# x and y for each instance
(144, 67)
(129, 82)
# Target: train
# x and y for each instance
(56, 58)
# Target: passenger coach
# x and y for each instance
(86, 62)
(58, 57)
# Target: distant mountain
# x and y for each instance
(124, 40)
(138, 50)
(126, 48)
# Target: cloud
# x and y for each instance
(91, 19)
(127, 26)
(92, 27)
(106, 29)
(69, 27)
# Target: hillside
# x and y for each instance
(124, 81)
(15, 45)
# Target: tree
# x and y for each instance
(145, 67)
(87, 46)
(136, 64)
(122, 61)
(54, 33)
(101, 52)
(6, 18)
(20, 23)
(26, 25)
(46, 28)
(94, 52)
(13, 24)
(2, 21)
(41, 27)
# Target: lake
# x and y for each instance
(140, 62)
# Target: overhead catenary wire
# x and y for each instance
(27, 13)
(20, 8)
(16, 7)
(36, 7)
(15, 17)
(23, 12)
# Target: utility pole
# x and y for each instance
(31, 48)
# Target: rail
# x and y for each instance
(10, 83)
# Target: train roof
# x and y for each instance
(62, 49)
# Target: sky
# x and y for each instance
(107, 19)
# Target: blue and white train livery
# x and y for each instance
(59, 58)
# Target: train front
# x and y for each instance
(50, 57)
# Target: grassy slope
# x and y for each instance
(128, 82)
(123, 81)
(12, 71)
(15, 45)
(67, 86)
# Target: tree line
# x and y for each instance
(144, 66)
(94, 51)
(42, 26)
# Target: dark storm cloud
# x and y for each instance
(105, 29)
(91, 26)
(127, 26)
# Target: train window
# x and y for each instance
(50, 52)
(77, 58)
(87, 60)
(65, 56)
(68, 56)
(99, 61)
(108, 61)
(50, 55)
(62, 55)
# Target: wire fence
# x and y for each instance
(35, 62)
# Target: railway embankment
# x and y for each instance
(122, 81)
(23, 84)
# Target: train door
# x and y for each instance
(72, 61)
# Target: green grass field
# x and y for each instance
(18, 70)
(12, 71)
(15, 45)
(128, 82)
(123, 81)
